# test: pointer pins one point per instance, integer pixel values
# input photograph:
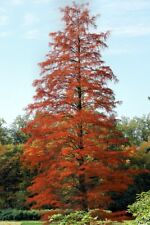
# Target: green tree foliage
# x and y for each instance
(142, 156)
(140, 161)
(136, 130)
(16, 130)
(4, 133)
(13, 178)
(13, 134)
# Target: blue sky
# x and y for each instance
(24, 28)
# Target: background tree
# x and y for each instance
(13, 178)
(16, 130)
(73, 129)
(136, 129)
(13, 134)
(141, 181)
(4, 134)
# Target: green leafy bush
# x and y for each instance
(75, 218)
(141, 209)
(32, 223)
(14, 214)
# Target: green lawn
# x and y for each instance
(10, 223)
(20, 223)
(31, 223)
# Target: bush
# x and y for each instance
(14, 214)
(141, 209)
(75, 218)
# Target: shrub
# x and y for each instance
(75, 218)
(14, 214)
(141, 209)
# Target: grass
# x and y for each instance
(21, 223)
(10, 223)
(31, 223)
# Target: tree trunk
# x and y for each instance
(82, 185)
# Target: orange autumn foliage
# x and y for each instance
(73, 142)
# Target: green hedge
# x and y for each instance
(14, 214)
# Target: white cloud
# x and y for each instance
(132, 30)
(136, 30)
(17, 2)
(4, 19)
(118, 51)
(41, 1)
(128, 5)
(32, 34)
(30, 19)
(4, 34)
(20, 2)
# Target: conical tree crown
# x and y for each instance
(73, 143)
(74, 64)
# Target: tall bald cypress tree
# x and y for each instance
(73, 141)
